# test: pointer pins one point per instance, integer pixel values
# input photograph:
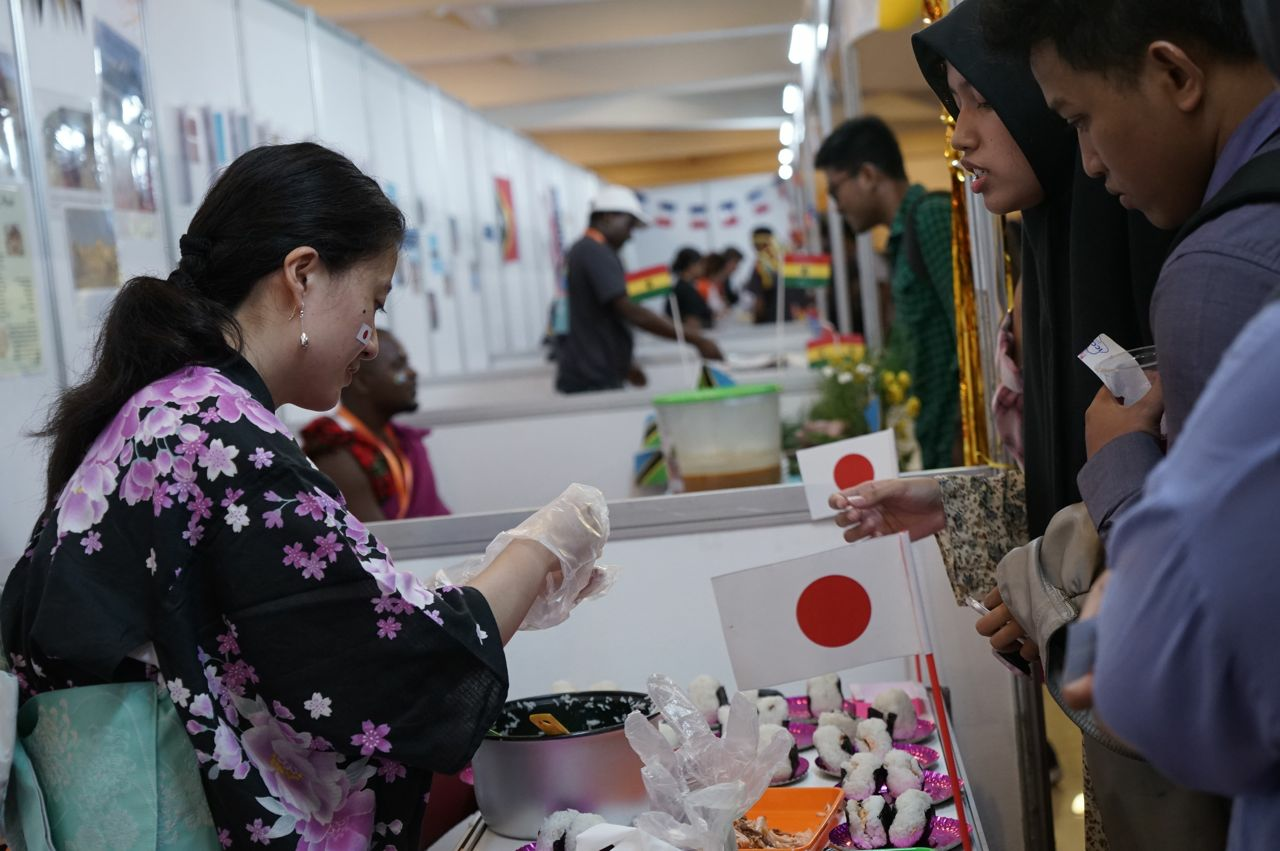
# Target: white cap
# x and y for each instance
(618, 199)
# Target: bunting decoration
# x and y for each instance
(698, 217)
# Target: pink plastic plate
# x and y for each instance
(938, 787)
(802, 733)
(944, 835)
(469, 777)
(532, 846)
(802, 771)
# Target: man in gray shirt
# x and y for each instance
(596, 352)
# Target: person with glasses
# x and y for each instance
(868, 184)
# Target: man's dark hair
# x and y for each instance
(1110, 36)
(762, 230)
(730, 254)
(859, 141)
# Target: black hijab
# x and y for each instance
(1089, 267)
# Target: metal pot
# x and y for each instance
(523, 775)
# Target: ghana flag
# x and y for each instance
(806, 271)
(648, 283)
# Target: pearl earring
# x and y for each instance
(303, 340)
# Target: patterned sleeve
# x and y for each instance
(986, 519)
(318, 615)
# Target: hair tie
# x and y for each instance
(194, 246)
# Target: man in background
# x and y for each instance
(867, 181)
(596, 352)
(764, 277)
(381, 467)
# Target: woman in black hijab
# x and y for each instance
(1089, 267)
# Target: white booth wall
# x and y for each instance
(265, 71)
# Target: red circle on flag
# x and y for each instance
(853, 470)
(834, 611)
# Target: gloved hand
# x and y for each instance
(574, 528)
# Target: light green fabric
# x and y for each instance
(106, 766)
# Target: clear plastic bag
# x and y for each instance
(574, 527)
(699, 789)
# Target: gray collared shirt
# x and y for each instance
(1210, 287)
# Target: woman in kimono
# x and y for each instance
(187, 540)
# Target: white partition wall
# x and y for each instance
(277, 71)
(131, 109)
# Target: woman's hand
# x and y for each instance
(890, 506)
(1107, 418)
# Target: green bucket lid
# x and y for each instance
(716, 394)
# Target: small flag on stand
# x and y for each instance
(648, 283)
(830, 347)
(806, 271)
(821, 613)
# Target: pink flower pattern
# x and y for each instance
(181, 446)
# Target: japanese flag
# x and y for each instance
(821, 613)
(836, 466)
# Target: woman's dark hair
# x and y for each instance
(267, 203)
(714, 264)
(865, 139)
(1110, 36)
(730, 254)
(685, 258)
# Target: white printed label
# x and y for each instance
(365, 334)
(1122, 374)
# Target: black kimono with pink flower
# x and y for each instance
(197, 546)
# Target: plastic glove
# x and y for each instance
(574, 528)
(698, 790)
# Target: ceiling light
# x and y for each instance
(802, 47)
(792, 99)
(784, 171)
(786, 133)
(786, 156)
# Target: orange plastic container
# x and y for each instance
(799, 809)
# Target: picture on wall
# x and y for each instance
(69, 149)
(92, 238)
(11, 166)
(506, 220)
(127, 121)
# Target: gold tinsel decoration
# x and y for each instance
(973, 394)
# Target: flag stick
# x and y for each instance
(781, 283)
(675, 316)
(953, 771)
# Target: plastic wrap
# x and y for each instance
(574, 527)
(701, 787)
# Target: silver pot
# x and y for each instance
(523, 775)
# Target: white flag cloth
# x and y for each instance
(821, 613)
(835, 466)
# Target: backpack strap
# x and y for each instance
(911, 241)
(1257, 182)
